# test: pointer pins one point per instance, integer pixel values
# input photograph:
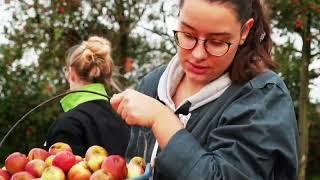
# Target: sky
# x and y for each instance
(30, 55)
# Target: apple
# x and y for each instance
(49, 160)
(64, 160)
(116, 165)
(53, 172)
(79, 171)
(139, 161)
(101, 175)
(23, 175)
(78, 159)
(58, 147)
(16, 162)
(4, 175)
(134, 170)
(35, 167)
(38, 153)
(94, 157)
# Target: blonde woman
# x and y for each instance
(88, 119)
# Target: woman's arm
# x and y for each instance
(257, 140)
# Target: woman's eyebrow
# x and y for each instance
(210, 34)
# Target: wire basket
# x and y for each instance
(148, 170)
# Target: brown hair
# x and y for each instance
(255, 54)
(92, 60)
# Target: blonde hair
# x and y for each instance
(92, 60)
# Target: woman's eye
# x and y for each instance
(188, 36)
(215, 43)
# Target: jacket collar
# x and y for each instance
(72, 100)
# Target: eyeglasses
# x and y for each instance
(212, 46)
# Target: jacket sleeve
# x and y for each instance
(68, 130)
(256, 139)
(141, 138)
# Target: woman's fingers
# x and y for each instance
(116, 100)
(135, 108)
(120, 104)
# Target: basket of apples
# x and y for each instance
(59, 163)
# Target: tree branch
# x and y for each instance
(316, 54)
(160, 34)
(134, 24)
(290, 48)
(155, 49)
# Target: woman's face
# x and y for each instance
(213, 21)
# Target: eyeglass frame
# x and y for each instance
(196, 42)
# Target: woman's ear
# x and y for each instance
(246, 30)
(72, 75)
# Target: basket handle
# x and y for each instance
(41, 104)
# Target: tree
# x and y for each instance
(47, 29)
(302, 18)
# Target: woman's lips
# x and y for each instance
(196, 68)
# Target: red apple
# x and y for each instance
(23, 175)
(49, 160)
(58, 147)
(53, 172)
(94, 157)
(38, 153)
(116, 165)
(4, 175)
(16, 162)
(35, 167)
(100, 175)
(64, 160)
(134, 170)
(79, 171)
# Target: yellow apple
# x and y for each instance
(95, 156)
(100, 175)
(79, 171)
(53, 172)
(49, 160)
(58, 147)
(139, 161)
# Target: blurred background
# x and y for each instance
(35, 34)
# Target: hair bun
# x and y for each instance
(99, 46)
(92, 60)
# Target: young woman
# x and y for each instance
(89, 119)
(217, 110)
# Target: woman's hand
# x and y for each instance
(139, 109)
(136, 108)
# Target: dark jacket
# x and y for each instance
(248, 133)
(90, 123)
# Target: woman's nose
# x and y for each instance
(199, 51)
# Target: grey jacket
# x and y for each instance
(249, 132)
